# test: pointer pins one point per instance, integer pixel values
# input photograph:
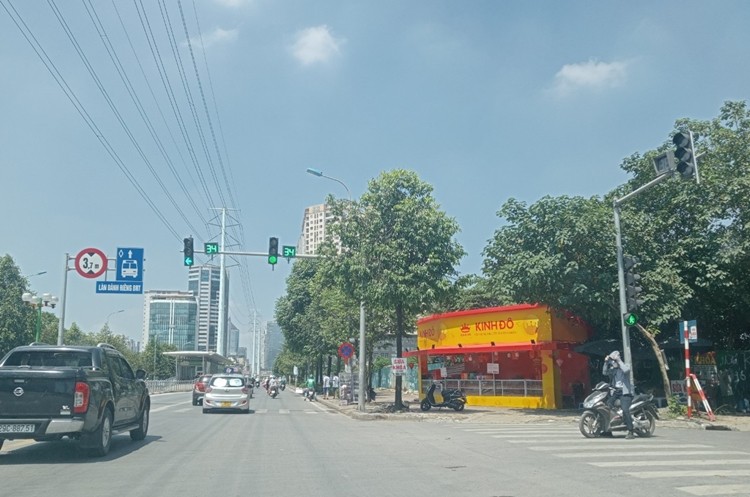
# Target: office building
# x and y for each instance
(316, 225)
(170, 317)
(203, 281)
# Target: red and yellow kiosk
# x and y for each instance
(513, 356)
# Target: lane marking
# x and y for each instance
(689, 473)
(673, 462)
(717, 489)
(630, 446)
(624, 453)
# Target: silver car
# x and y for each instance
(226, 392)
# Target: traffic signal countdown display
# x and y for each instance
(273, 250)
(187, 251)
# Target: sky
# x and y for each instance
(128, 124)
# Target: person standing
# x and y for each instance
(619, 372)
(326, 385)
(335, 385)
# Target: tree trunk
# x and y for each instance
(659, 358)
(399, 333)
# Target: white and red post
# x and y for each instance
(687, 368)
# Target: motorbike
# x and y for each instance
(309, 394)
(455, 399)
(283, 386)
(273, 391)
(602, 413)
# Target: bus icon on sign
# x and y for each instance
(129, 268)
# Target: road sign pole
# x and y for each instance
(61, 324)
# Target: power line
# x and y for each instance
(70, 94)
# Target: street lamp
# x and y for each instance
(106, 322)
(37, 302)
(35, 274)
(362, 359)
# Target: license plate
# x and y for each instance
(226, 404)
(17, 428)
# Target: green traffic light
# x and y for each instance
(273, 259)
(188, 261)
(631, 319)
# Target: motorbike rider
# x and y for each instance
(271, 384)
(619, 373)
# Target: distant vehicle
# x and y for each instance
(227, 392)
(129, 268)
(199, 388)
(85, 393)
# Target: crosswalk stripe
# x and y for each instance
(624, 453)
(728, 489)
(694, 473)
(261, 411)
(535, 435)
(619, 444)
(284, 411)
(489, 432)
(672, 462)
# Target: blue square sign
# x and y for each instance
(128, 273)
(129, 265)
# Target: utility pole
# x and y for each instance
(220, 338)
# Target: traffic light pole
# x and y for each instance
(627, 354)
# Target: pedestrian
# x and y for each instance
(326, 385)
(335, 385)
(619, 372)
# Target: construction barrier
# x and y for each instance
(706, 405)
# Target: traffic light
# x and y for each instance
(187, 251)
(632, 284)
(273, 250)
(684, 154)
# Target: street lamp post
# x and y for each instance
(37, 302)
(106, 322)
(362, 358)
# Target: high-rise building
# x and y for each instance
(273, 343)
(316, 225)
(203, 281)
(169, 316)
(234, 339)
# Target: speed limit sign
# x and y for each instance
(91, 263)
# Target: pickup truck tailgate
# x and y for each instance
(34, 393)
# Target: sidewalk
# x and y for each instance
(382, 408)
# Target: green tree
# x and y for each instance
(559, 251)
(16, 317)
(399, 250)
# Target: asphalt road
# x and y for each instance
(288, 447)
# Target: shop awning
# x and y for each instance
(477, 348)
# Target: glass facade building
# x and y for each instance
(171, 317)
(204, 283)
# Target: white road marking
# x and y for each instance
(671, 462)
(618, 445)
(624, 453)
(690, 473)
(717, 489)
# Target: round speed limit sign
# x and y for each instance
(91, 263)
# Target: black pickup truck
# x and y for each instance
(85, 393)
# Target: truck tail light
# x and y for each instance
(208, 389)
(82, 395)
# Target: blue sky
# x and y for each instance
(485, 100)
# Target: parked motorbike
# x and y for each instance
(602, 413)
(455, 399)
(273, 391)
